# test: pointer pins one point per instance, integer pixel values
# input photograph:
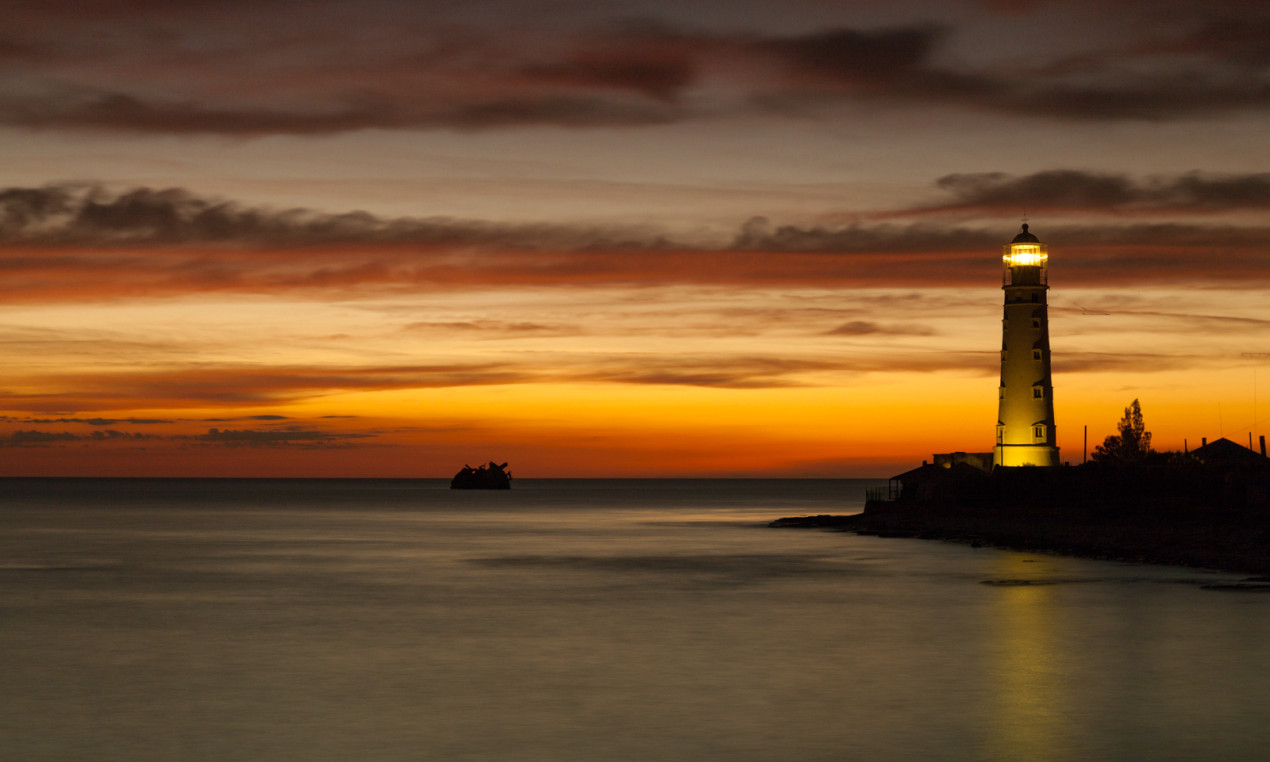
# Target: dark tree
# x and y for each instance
(1131, 445)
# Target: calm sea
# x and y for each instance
(588, 620)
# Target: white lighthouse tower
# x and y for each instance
(1025, 418)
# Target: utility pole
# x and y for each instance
(1254, 356)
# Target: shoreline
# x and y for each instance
(1075, 542)
(1177, 513)
(1223, 546)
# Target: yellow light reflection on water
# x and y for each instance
(1028, 709)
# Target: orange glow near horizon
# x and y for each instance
(673, 381)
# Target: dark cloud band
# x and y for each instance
(74, 243)
(183, 71)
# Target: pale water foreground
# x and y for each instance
(588, 621)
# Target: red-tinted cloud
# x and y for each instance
(82, 243)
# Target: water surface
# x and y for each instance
(588, 620)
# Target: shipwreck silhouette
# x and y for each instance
(492, 476)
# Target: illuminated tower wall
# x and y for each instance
(1025, 417)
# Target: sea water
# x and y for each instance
(588, 620)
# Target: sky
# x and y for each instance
(387, 238)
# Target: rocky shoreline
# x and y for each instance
(1194, 518)
(1127, 544)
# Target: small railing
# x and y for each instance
(1024, 275)
(878, 495)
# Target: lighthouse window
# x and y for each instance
(1039, 431)
(1036, 354)
(1036, 297)
(1036, 323)
(1037, 392)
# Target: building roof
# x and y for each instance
(1225, 451)
(932, 471)
(1025, 237)
(924, 471)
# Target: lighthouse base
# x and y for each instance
(1024, 455)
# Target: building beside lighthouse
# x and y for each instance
(1025, 411)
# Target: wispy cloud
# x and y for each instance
(491, 328)
(89, 421)
(1183, 322)
(236, 386)
(1102, 193)
(290, 437)
(723, 372)
(1121, 362)
(37, 438)
(34, 438)
(141, 421)
(870, 328)
(94, 216)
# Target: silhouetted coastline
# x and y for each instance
(1181, 513)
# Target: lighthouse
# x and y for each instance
(1025, 416)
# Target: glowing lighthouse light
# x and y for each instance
(1025, 417)
(1025, 255)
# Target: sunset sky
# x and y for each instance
(390, 237)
